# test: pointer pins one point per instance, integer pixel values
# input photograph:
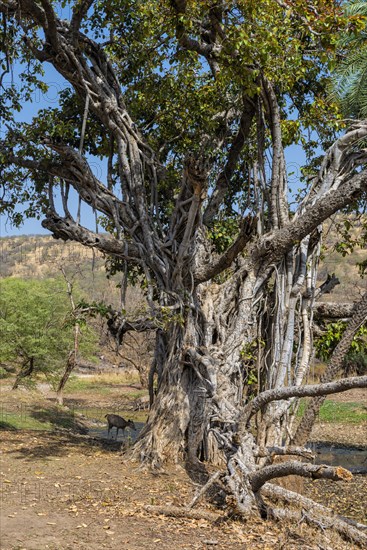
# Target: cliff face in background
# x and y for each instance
(36, 256)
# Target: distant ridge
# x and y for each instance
(31, 256)
(36, 255)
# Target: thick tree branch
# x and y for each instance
(67, 229)
(336, 185)
(311, 390)
(78, 172)
(210, 48)
(224, 178)
(79, 12)
(74, 169)
(313, 471)
(275, 245)
(327, 286)
(333, 310)
(204, 273)
(85, 65)
(118, 326)
(264, 452)
(279, 211)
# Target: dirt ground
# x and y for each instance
(60, 492)
(356, 395)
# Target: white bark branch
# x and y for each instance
(311, 390)
(283, 469)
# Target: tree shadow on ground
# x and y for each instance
(7, 426)
(58, 418)
(49, 444)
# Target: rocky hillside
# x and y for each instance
(35, 256)
(42, 256)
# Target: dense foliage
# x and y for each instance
(350, 78)
(36, 324)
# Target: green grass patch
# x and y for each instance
(346, 413)
(103, 384)
(34, 417)
(335, 412)
(89, 385)
(18, 421)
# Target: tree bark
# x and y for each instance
(70, 365)
(313, 471)
(73, 355)
(25, 372)
(348, 532)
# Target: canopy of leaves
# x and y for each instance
(178, 101)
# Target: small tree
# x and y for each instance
(35, 334)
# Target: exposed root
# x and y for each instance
(290, 497)
(324, 519)
(346, 531)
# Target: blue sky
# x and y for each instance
(42, 100)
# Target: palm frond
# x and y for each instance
(349, 82)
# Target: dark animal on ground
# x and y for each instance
(116, 421)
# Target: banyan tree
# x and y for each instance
(175, 123)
